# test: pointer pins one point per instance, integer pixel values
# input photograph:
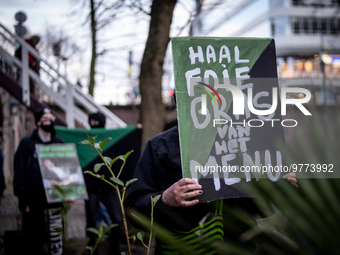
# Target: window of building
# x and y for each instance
(315, 26)
(333, 28)
(295, 25)
(306, 25)
(303, 25)
(297, 2)
(323, 25)
(320, 3)
(336, 2)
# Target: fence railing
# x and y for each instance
(55, 86)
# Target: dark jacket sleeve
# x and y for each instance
(146, 185)
(20, 164)
(150, 174)
(158, 168)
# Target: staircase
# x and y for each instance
(15, 76)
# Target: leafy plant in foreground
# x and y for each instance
(121, 189)
(101, 233)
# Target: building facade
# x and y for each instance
(306, 33)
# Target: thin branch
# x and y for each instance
(118, 37)
(139, 7)
(115, 6)
(86, 19)
(186, 24)
(103, 52)
(103, 23)
(184, 6)
(98, 5)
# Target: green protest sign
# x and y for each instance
(61, 172)
(220, 131)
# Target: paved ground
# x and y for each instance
(10, 216)
(10, 220)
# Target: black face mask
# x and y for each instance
(95, 126)
(47, 126)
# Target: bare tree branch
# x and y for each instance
(98, 5)
(86, 19)
(138, 6)
(103, 52)
(116, 6)
(185, 25)
(104, 23)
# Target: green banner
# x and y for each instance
(86, 153)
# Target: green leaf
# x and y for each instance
(130, 181)
(134, 215)
(123, 253)
(100, 229)
(108, 161)
(110, 226)
(93, 230)
(97, 146)
(140, 236)
(100, 176)
(97, 167)
(103, 237)
(102, 144)
(114, 160)
(92, 139)
(156, 198)
(84, 142)
(89, 248)
(203, 220)
(127, 154)
(89, 172)
(119, 182)
(133, 238)
(198, 232)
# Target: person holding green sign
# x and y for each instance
(159, 172)
(28, 185)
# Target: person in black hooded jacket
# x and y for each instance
(28, 182)
(159, 172)
(100, 192)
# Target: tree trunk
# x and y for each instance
(94, 48)
(152, 108)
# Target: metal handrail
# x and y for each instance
(73, 92)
